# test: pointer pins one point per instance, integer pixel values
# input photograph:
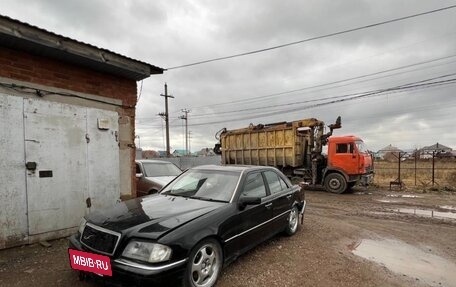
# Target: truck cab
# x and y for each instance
(348, 160)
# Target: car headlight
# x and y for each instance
(82, 224)
(147, 251)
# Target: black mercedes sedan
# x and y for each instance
(201, 221)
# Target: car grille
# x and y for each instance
(100, 239)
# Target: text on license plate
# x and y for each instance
(85, 261)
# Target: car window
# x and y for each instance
(188, 183)
(205, 184)
(273, 182)
(283, 183)
(345, 148)
(153, 169)
(254, 186)
(341, 148)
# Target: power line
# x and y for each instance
(326, 84)
(356, 60)
(306, 101)
(313, 38)
(337, 99)
(368, 94)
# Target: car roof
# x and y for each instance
(233, 167)
(152, 161)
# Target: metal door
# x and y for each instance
(56, 162)
(103, 156)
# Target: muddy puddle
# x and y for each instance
(426, 213)
(448, 207)
(388, 200)
(403, 195)
(405, 259)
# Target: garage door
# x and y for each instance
(56, 162)
(71, 162)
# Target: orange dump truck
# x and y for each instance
(296, 149)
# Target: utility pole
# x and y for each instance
(165, 116)
(189, 138)
(185, 117)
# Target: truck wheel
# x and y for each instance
(335, 183)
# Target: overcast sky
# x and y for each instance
(236, 92)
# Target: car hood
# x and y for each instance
(161, 180)
(152, 216)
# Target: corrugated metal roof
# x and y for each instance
(15, 34)
(436, 147)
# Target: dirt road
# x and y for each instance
(368, 238)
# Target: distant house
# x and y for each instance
(448, 154)
(206, 152)
(436, 149)
(389, 153)
(147, 154)
(179, 152)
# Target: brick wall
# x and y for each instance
(26, 67)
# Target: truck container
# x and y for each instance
(296, 149)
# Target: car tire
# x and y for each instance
(292, 222)
(335, 183)
(204, 265)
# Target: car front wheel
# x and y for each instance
(204, 265)
(292, 223)
(335, 183)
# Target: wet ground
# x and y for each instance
(367, 238)
(406, 259)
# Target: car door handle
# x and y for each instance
(268, 206)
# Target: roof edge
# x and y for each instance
(64, 47)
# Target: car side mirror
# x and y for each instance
(248, 200)
(139, 175)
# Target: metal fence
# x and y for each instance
(432, 172)
(189, 162)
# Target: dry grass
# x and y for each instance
(444, 173)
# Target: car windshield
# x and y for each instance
(213, 185)
(153, 169)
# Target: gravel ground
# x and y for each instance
(320, 254)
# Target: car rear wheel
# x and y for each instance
(204, 265)
(292, 223)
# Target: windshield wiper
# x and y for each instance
(177, 195)
(207, 199)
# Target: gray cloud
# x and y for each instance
(167, 33)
